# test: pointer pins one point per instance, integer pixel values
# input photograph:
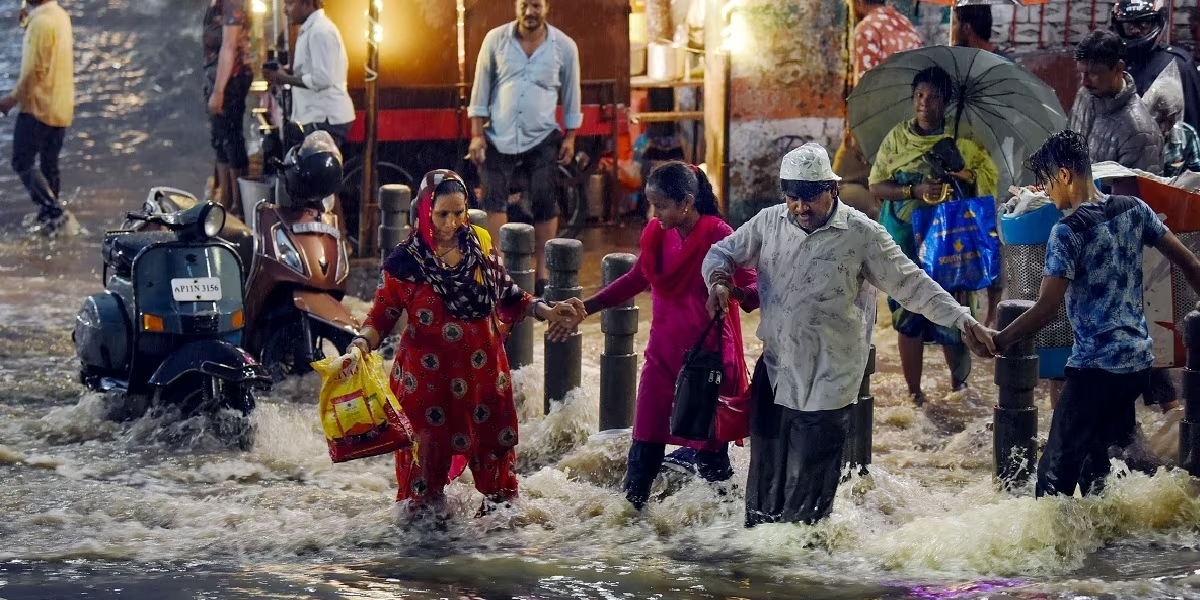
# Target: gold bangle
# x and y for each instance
(907, 191)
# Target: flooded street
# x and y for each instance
(95, 509)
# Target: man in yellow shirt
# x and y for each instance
(46, 92)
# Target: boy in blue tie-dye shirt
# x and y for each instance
(1094, 261)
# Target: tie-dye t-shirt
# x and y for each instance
(1099, 248)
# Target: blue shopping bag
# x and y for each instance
(957, 243)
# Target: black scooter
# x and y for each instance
(166, 332)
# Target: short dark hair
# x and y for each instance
(1101, 46)
(938, 79)
(1063, 150)
(979, 17)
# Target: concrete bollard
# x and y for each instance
(1189, 427)
(1014, 424)
(517, 244)
(478, 217)
(857, 451)
(618, 363)
(564, 360)
(394, 203)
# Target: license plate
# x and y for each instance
(201, 289)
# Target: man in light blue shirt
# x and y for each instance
(523, 68)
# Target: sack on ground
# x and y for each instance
(957, 243)
(359, 413)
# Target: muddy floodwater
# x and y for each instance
(94, 509)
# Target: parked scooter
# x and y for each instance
(302, 263)
(296, 258)
(165, 333)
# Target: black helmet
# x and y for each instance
(1151, 12)
(313, 170)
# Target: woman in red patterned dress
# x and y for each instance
(451, 375)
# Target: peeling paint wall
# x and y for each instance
(787, 87)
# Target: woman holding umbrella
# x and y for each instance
(904, 177)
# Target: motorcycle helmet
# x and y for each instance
(1150, 15)
(313, 169)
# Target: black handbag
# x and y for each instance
(697, 390)
(945, 158)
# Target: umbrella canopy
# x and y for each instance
(997, 103)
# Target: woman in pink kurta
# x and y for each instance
(673, 246)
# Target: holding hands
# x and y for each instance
(980, 340)
(564, 317)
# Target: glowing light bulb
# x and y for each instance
(258, 7)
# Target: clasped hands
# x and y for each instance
(563, 318)
(980, 340)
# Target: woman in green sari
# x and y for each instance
(903, 178)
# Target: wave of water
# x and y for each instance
(928, 512)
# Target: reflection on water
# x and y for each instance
(104, 510)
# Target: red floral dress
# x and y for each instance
(452, 379)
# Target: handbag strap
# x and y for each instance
(720, 331)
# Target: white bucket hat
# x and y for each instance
(809, 162)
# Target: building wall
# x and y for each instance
(788, 58)
(787, 86)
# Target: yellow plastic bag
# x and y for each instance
(359, 413)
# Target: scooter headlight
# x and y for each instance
(286, 251)
(213, 221)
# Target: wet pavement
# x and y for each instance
(94, 509)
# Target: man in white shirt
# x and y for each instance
(813, 255)
(320, 96)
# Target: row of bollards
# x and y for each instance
(1016, 368)
(1015, 422)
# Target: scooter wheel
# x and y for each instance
(121, 406)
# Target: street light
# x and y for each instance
(259, 8)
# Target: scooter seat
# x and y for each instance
(120, 248)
